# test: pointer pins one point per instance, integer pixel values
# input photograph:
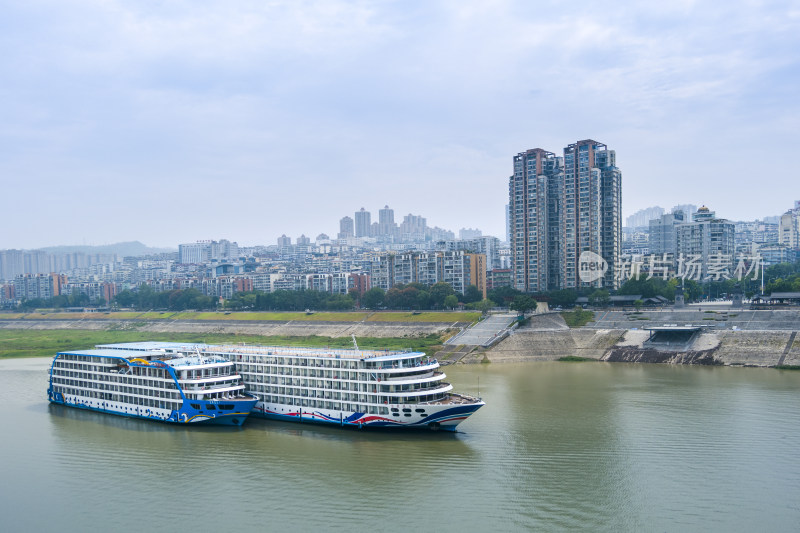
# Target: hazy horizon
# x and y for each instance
(176, 122)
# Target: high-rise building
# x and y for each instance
(413, 227)
(466, 234)
(457, 268)
(528, 212)
(284, 241)
(688, 210)
(386, 224)
(662, 237)
(706, 240)
(363, 223)
(196, 252)
(16, 262)
(642, 217)
(507, 211)
(789, 230)
(205, 251)
(487, 245)
(560, 207)
(44, 286)
(593, 190)
(346, 228)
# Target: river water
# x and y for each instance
(559, 446)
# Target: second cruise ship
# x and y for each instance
(346, 387)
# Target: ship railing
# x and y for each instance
(211, 379)
(191, 359)
(214, 388)
(390, 377)
(300, 351)
(395, 366)
(441, 386)
(438, 385)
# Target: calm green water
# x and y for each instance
(559, 446)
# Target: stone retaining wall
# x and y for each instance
(544, 340)
(527, 345)
(747, 348)
(719, 319)
(292, 329)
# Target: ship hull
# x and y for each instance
(445, 418)
(186, 415)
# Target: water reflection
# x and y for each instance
(558, 446)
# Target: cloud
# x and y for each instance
(295, 114)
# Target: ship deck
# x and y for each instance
(292, 351)
(455, 399)
(285, 351)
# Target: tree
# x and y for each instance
(440, 291)
(451, 301)
(562, 298)
(599, 297)
(503, 295)
(340, 302)
(373, 298)
(522, 304)
(472, 294)
(393, 298)
(423, 300)
(648, 288)
(692, 291)
(126, 298)
(355, 295)
(484, 306)
(145, 297)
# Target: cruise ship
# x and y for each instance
(345, 387)
(143, 380)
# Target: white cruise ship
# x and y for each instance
(347, 387)
(142, 380)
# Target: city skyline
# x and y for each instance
(168, 123)
(332, 233)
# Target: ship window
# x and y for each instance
(406, 410)
(395, 409)
(406, 414)
(395, 414)
(195, 405)
(226, 406)
(420, 410)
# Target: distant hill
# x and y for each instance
(122, 249)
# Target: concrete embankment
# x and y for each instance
(719, 318)
(243, 327)
(532, 345)
(546, 340)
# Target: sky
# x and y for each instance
(175, 121)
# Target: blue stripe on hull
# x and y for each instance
(186, 416)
